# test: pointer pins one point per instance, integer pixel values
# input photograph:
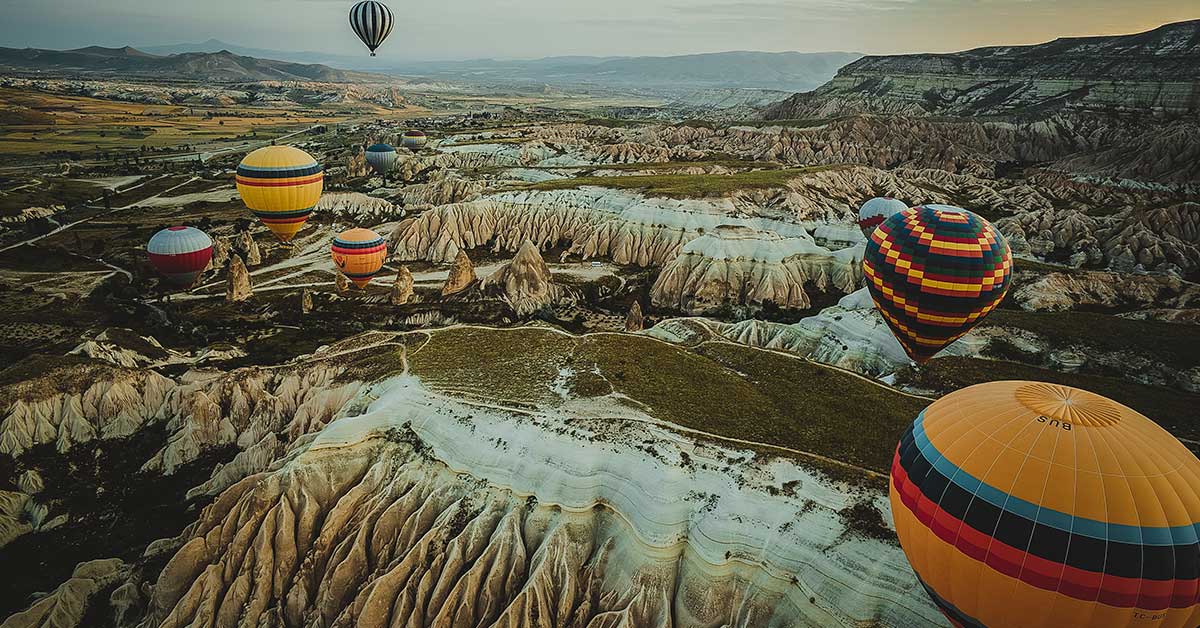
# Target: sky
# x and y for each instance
(466, 29)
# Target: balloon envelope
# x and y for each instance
(934, 272)
(372, 21)
(1033, 505)
(359, 254)
(381, 157)
(413, 139)
(877, 210)
(180, 253)
(281, 185)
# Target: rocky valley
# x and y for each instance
(616, 368)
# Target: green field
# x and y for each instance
(720, 388)
(685, 185)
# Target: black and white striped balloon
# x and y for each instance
(372, 21)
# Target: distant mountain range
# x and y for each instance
(215, 60)
(787, 71)
(1157, 71)
(221, 65)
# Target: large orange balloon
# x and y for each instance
(1032, 505)
(359, 254)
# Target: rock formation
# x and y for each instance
(306, 301)
(634, 321)
(247, 247)
(1164, 238)
(220, 255)
(380, 520)
(356, 164)
(402, 288)
(1152, 71)
(440, 192)
(75, 404)
(743, 267)
(850, 335)
(237, 281)
(524, 283)
(341, 283)
(462, 275)
(1091, 290)
(625, 227)
(358, 207)
(65, 606)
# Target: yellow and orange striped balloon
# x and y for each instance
(281, 185)
(359, 254)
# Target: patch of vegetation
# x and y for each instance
(56, 191)
(724, 389)
(1170, 343)
(1172, 409)
(684, 185)
(511, 365)
(864, 518)
(724, 161)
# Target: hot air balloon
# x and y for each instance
(934, 272)
(180, 253)
(281, 185)
(413, 140)
(876, 211)
(381, 157)
(372, 22)
(1032, 505)
(359, 254)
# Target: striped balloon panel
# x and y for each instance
(1037, 505)
(280, 185)
(180, 253)
(372, 21)
(359, 254)
(413, 141)
(934, 271)
(381, 157)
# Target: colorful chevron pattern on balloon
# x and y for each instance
(934, 271)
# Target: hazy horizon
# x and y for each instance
(525, 29)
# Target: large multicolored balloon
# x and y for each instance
(180, 253)
(413, 139)
(381, 157)
(877, 210)
(1032, 505)
(372, 21)
(359, 254)
(934, 272)
(281, 185)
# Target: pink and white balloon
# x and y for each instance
(180, 253)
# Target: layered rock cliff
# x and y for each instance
(1151, 72)
(740, 266)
